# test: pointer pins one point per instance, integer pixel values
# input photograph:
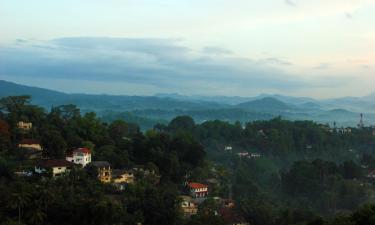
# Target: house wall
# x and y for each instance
(33, 146)
(105, 175)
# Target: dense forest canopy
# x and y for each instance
(276, 171)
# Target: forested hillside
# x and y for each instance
(271, 171)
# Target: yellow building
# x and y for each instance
(30, 144)
(104, 171)
(122, 176)
(24, 126)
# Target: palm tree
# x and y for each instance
(36, 215)
(19, 200)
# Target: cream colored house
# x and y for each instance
(122, 176)
(188, 206)
(30, 144)
(24, 125)
(54, 167)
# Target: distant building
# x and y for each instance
(122, 177)
(81, 156)
(243, 154)
(344, 130)
(30, 144)
(188, 206)
(54, 167)
(24, 125)
(255, 155)
(142, 169)
(371, 174)
(104, 170)
(228, 148)
(197, 190)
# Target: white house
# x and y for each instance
(198, 190)
(81, 156)
(24, 125)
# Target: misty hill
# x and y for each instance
(148, 110)
(47, 98)
(265, 104)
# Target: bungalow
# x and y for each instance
(81, 156)
(56, 167)
(121, 178)
(197, 190)
(188, 206)
(30, 144)
(104, 171)
(24, 126)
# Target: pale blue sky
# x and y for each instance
(318, 48)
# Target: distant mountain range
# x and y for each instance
(163, 107)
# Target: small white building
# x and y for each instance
(80, 156)
(198, 190)
(228, 148)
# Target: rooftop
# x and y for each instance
(100, 164)
(196, 185)
(49, 163)
(29, 142)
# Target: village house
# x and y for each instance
(80, 156)
(228, 148)
(104, 170)
(243, 154)
(121, 178)
(30, 144)
(188, 206)
(197, 190)
(371, 174)
(53, 167)
(24, 126)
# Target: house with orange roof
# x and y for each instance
(197, 190)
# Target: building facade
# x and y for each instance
(197, 190)
(80, 156)
(104, 171)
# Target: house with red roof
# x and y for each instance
(197, 190)
(80, 156)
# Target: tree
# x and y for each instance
(18, 200)
(54, 144)
(185, 123)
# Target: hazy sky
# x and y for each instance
(318, 48)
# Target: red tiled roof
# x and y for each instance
(197, 185)
(29, 142)
(83, 150)
(55, 163)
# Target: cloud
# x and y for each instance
(290, 3)
(153, 65)
(216, 51)
(275, 61)
(348, 15)
(323, 66)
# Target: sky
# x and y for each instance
(314, 48)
